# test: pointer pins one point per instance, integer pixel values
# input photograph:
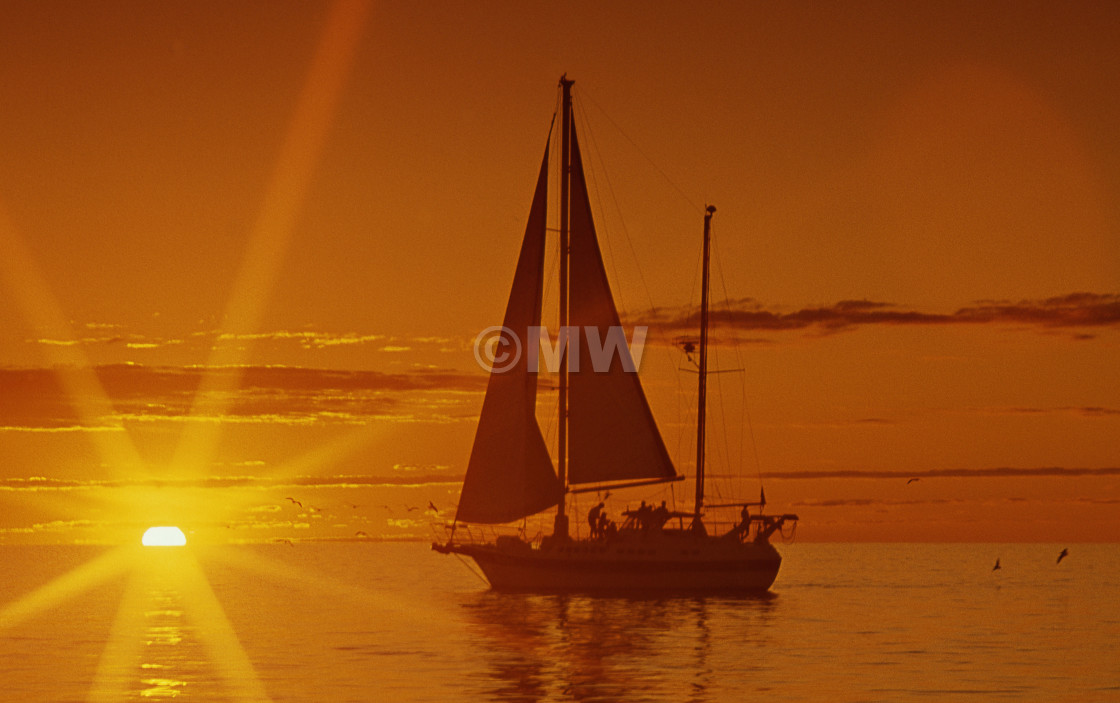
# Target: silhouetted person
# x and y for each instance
(593, 519)
(601, 527)
(744, 526)
(642, 515)
(609, 529)
(659, 516)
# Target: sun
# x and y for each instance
(164, 536)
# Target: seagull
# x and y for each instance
(1063, 555)
(289, 542)
(996, 567)
(410, 508)
(295, 502)
(361, 533)
(912, 480)
(432, 507)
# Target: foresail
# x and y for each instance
(611, 431)
(510, 475)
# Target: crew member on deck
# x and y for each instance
(744, 526)
(642, 516)
(593, 520)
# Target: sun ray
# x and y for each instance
(272, 230)
(266, 567)
(65, 587)
(42, 311)
(329, 453)
(218, 635)
(117, 664)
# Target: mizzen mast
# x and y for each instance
(702, 394)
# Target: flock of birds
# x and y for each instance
(430, 509)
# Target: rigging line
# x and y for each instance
(742, 376)
(593, 146)
(738, 364)
(692, 303)
(470, 568)
(723, 420)
(614, 199)
(657, 168)
(730, 466)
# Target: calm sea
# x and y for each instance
(397, 622)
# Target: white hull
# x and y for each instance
(681, 563)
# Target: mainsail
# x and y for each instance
(510, 475)
(612, 433)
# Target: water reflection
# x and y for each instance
(153, 652)
(163, 661)
(590, 648)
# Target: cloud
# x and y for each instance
(307, 339)
(115, 335)
(36, 399)
(36, 484)
(1001, 472)
(1075, 311)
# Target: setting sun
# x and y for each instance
(163, 537)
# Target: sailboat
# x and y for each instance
(607, 439)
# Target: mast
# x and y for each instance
(560, 527)
(702, 395)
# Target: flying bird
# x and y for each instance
(912, 480)
(432, 507)
(411, 508)
(1063, 555)
(996, 567)
(361, 533)
(295, 502)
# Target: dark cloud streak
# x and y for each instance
(1068, 312)
(1002, 472)
(37, 398)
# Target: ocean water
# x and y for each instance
(397, 622)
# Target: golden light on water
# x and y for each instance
(163, 536)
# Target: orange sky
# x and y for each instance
(918, 237)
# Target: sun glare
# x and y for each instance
(163, 537)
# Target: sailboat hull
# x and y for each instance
(683, 564)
